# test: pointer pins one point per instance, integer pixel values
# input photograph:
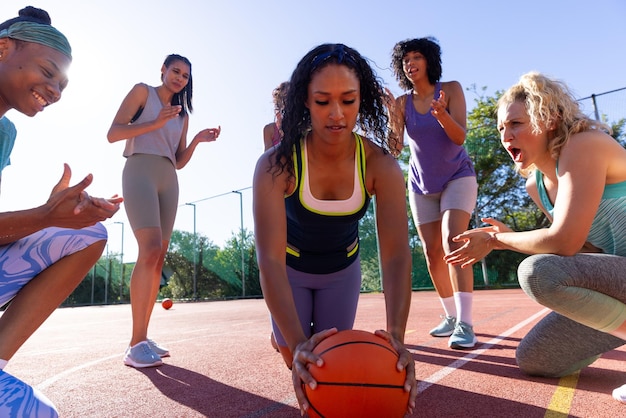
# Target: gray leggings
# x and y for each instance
(587, 293)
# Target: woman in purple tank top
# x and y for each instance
(442, 182)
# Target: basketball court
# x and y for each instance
(222, 364)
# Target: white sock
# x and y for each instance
(463, 301)
(3, 363)
(449, 306)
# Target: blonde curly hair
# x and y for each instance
(550, 102)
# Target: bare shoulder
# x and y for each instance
(379, 161)
(452, 88)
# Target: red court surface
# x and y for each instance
(222, 364)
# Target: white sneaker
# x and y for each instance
(159, 349)
(619, 394)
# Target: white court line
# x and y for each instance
(58, 376)
(422, 385)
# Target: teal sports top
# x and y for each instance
(608, 230)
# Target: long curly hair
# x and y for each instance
(184, 96)
(550, 102)
(429, 48)
(296, 119)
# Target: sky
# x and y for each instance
(241, 49)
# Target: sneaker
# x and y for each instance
(158, 349)
(619, 394)
(445, 327)
(463, 336)
(141, 355)
(17, 399)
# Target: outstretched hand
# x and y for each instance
(303, 356)
(72, 207)
(477, 243)
(208, 135)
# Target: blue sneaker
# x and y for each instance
(17, 399)
(445, 327)
(158, 349)
(463, 336)
(141, 355)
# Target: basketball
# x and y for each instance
(359, 378)
(167, 303)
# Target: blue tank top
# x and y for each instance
(323, 235)
(7, 140)
(608, 230)
(435, 159)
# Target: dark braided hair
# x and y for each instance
(296, 119)
(29, 14)
(183, 97)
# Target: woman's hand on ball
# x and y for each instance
(302, 357)
(405, 361)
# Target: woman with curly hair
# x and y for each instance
(271, 132)
(576, 173)
(442, 182)
(309, 194)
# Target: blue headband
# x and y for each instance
(38, 33)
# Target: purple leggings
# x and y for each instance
(324, 301)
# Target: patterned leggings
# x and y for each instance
(24, 259)
(587, 293)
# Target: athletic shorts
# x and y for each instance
(459, 194)
(24, 259)
(150, 188)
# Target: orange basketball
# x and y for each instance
(167, 303)
(359, 378)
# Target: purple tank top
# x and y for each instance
(435, 159)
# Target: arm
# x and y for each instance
(395, 255)
(583, 167)
(392, 222)
(184, 152)
(395, 108)
(450, 111)
(67, 207)
(270, 230)
(121, 128)
(268, 134)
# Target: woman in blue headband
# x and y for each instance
(46, 251)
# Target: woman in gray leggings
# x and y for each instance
(154, 121)
(576, 174)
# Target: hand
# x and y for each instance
(72, 207)
(302, 356)
(478, 243)
(439, 106)
(405, 362)
(208, 135)
(167, 113)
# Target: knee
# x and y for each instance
(150, 252)
(531, 363)
(433, 253)
(540, 276)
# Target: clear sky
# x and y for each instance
(240, 50)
